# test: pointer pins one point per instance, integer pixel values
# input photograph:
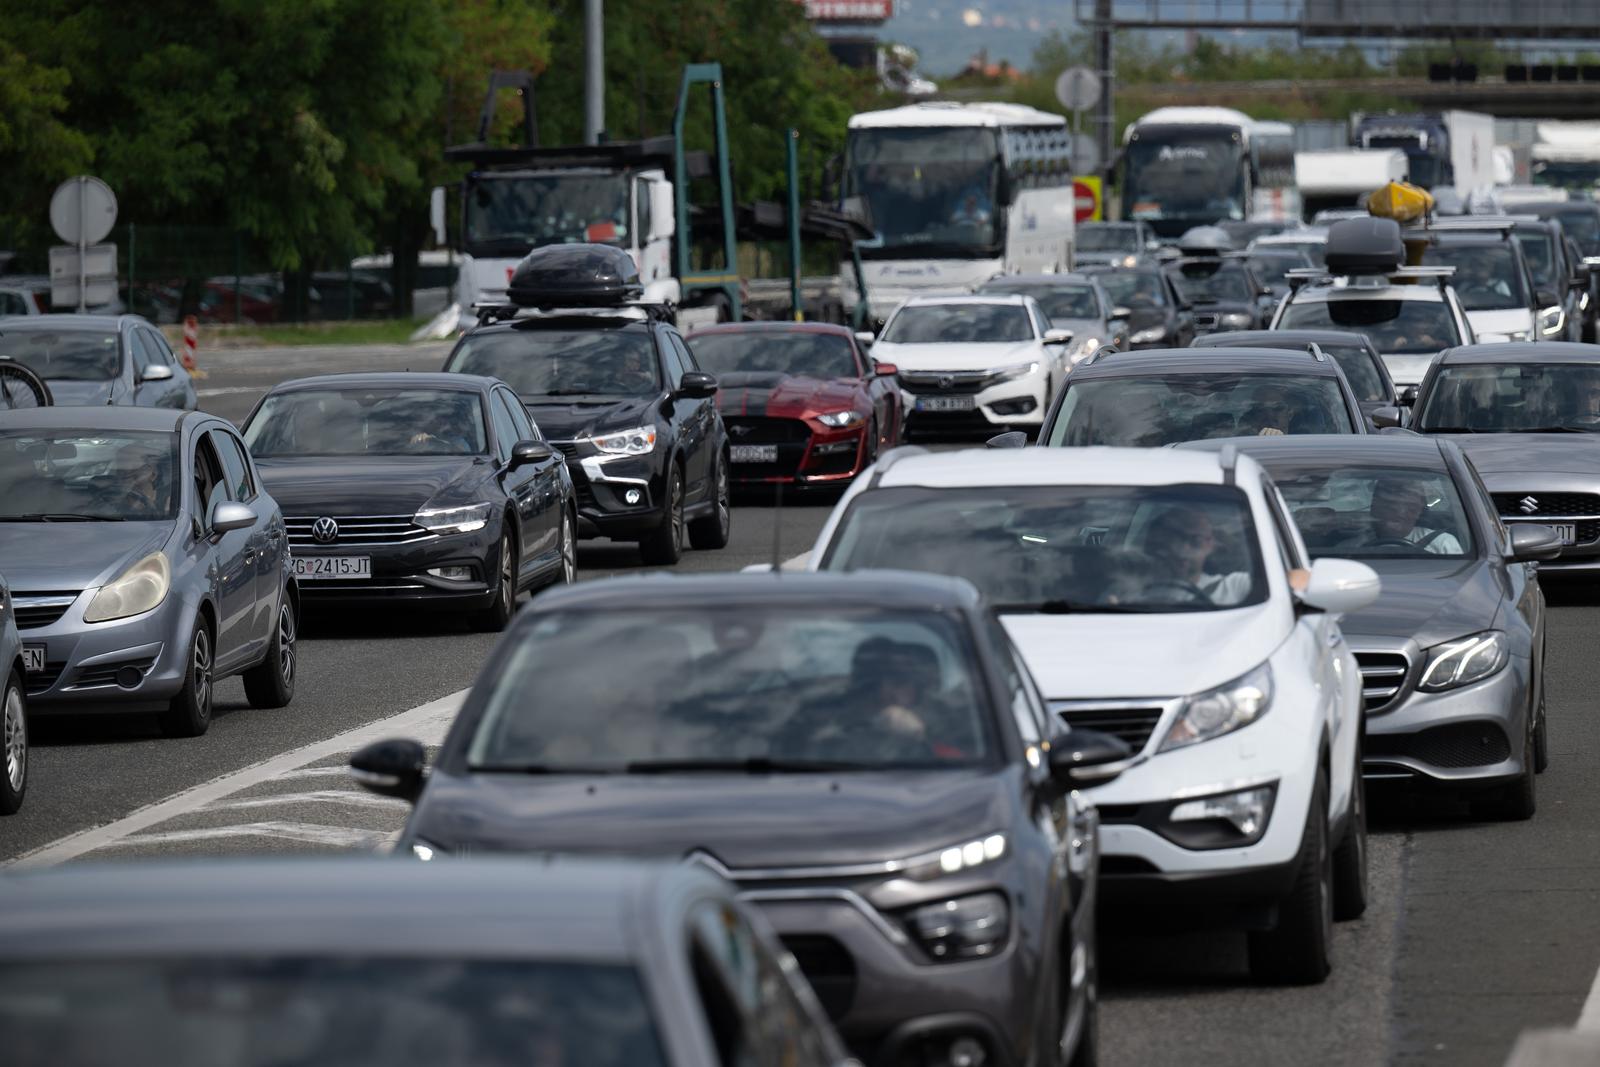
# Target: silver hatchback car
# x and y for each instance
(146, 561)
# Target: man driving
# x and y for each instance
(1398, 504)
(884, 713)
(141, 485)
(1180, 542)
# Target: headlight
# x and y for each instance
(454, 520)
(840, 419)
(1226, 820)
(141, 587)
(1464, 661)
(1012, 372)
(1088, 346)
(1222, 710)
(1153, 335)
(426, 852)
(1552, 319)
(1236, 320)
(964, 928)
(639, 441)
(957, 858)
(1130, 260)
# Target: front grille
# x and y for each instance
(357, 531)
(758, 430)
(946, 383)
(40, 681)
(106, 673)
(1383, 676)
(830, 969)
(568, 448)
(1133, 726)
(1456, 745)
(1206, 320)
(33, 610)
(1548, 505)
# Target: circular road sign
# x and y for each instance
(83, 210)
(1085, 200)
(1085, 153)
(1078, 88)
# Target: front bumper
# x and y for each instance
(400, 572)
(87, 664)
(1020, 402)
(603, 485)
(803, 456)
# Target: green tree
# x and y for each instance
(37, 148)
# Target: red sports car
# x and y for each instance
(803, 404)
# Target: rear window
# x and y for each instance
(1487, 277)
(1164, 409)
(1393, 326)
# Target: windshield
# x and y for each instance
(812, 355)
(64, 355)
(1375, 512)
(1273, 267)
(1144, 548)
(367, 422)
(1584, 228)
(554, 362)
(1313, 248)
(1108, 237)
(927, 191)
(1513, 397)
(1359, 368)
(1136, 291)
(1538, 249)
(1487, 276)
(959, 324)
(1566, 174)
(349, 1011)
(1214, 283)
(505, 214)
(1393, 326)
(66, 475)
(1162, 410)
(1193, 176)
(787, 684)
(1056, 301)
(1422, 169)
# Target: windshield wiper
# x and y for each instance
(1072, 607)
(1554, 429)
(749, 765)
(60, 516)
(544, 768)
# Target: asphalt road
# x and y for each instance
(1476, 932)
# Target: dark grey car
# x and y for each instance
(146, 563)
(1452, 653)
(1073, 302)
(1357, 357)
(864, 755)
(369, 963)
(13, 710)
(100, 359)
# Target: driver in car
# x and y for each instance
(883, 715)
(1179, 544)
(1586, 399)
(1396, 510)
(141, 491)
(1474, 274)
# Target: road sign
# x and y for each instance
(83, 210)
(1086, 199)
(1078, 88)
(95, 271)
(1085, 153)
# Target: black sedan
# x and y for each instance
(864, 755)
(416, 489)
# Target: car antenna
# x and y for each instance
(777, 527)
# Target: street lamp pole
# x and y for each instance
(594, 71)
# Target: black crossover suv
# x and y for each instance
(865, 756)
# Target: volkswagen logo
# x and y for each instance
(325, 531)
(1529, 504)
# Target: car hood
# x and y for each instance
(568, 418)
(1431, 600)
(74, 393)
(954, 356)
(44, 557)
(745, 820)
(1090, 656)
(361, 485)
(1530, 453)
(790, 396)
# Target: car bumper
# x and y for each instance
(400, 572)
(1467, 736)
(603, 485)
(88, 665)
(800, 455)
(1020, 403)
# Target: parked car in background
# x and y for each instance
(13, 709)
(17, 300)
(99, 359)
(1074, 302)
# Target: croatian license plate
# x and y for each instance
(33, 657)
(945, 403)
(1568, 532)
(753, 453)
(315, 568)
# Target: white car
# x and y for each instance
(1165, 597)
(974, 363)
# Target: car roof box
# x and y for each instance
(1205, 241)
(1364, 246)
(575, 276)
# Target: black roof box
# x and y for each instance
(575, 276)
(1364, 246)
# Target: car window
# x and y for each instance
(355, 421)
(234, 465)
(798, 352)
(677, 360)
(210, 480)
(1039, 320)
(505, 427)
(1211, 282)
(1288, 553)
(641, 202)
(1486, 505)
(526, 430)
(1163, 409)
(65, 355)
(1360, 370)
(143, 356)
(1027, 708)
(1488, 276)
(99, 474)
(1135, 290)
(12, 303)
(1375, 511)
(1393, 326)
(561, 361)
(1512, 398)
(155, 346)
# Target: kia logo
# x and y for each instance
(1529, 504)
(325, 530)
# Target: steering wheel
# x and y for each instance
(1193, 591)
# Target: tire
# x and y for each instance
(189, 713)
(1296, 951)
(1350, 858)
(1541, 736)
(569, 549)
(497, 615)
(13, 746)
(1087, 1054)
(663, 546)
(270, 684)
(712, 531)
(1517, 801)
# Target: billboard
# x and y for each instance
(849, 10)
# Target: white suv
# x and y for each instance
(1164, 597)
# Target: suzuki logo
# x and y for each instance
(1528, 504)
(325, 530)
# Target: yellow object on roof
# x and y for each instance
(1400, 201)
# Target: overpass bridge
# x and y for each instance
(1569, 100)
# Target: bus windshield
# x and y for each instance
(1183, 177)
(927, 191)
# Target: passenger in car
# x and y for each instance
(1397, 509)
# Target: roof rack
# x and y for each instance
(1316, 352)
(1301, 276)
(1228, 455)
(1102, 350)
(490, 313)
(1467, 224)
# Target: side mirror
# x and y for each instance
(1340, 586)
(865, 338)
(229, 516)
(663, 212)
(1385, 417)
(885, 370)
(394, 768)
(1407, 397)
(1547, 298)
(526, 452)
(1083, 758)
(1120, 312)
(697, 385)
(436, 216)
(156, 372)
(1009, 439)
(1531, 541)
(1057, 337)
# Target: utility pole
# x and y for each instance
(1106, 113)
(594, 71)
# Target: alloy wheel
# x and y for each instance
(724, 511)
(286, 643)
(200, 670)
(569, 551)
(16, 740)
(508, 578)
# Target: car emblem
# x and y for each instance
(739, 431)
(1529, 504)
(325, 530)
(946, 381)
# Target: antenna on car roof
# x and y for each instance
(777, 527)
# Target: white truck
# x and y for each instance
(1336, 179)
(1566, 155)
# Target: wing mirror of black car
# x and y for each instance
(697, 385)
(1385, 417)
(884, 370)
(1532, 541)
(156, 372)
(1083, 758)
(393, 768)
(230, 516)
(1407, 397)
(1009, 439)
(525, 452)
(1547, 298)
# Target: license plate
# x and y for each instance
(945, 403)
(753, 453)
(1568, 532)
(33, 657)
(315, 568)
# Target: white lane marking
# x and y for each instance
(1589, 1018)
(336, 771)
(308, 833)
(426, 723)
(316, 796)
(229, 390)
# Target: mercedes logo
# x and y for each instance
(325, 531)
(1529, 504)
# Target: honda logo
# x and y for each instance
(946, 381)
(325, 530)
(1529, 504)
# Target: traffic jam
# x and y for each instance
(1159, 554)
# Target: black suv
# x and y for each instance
(613, 385)
(864, 755)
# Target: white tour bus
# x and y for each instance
(955, 194)
(1197, 166)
